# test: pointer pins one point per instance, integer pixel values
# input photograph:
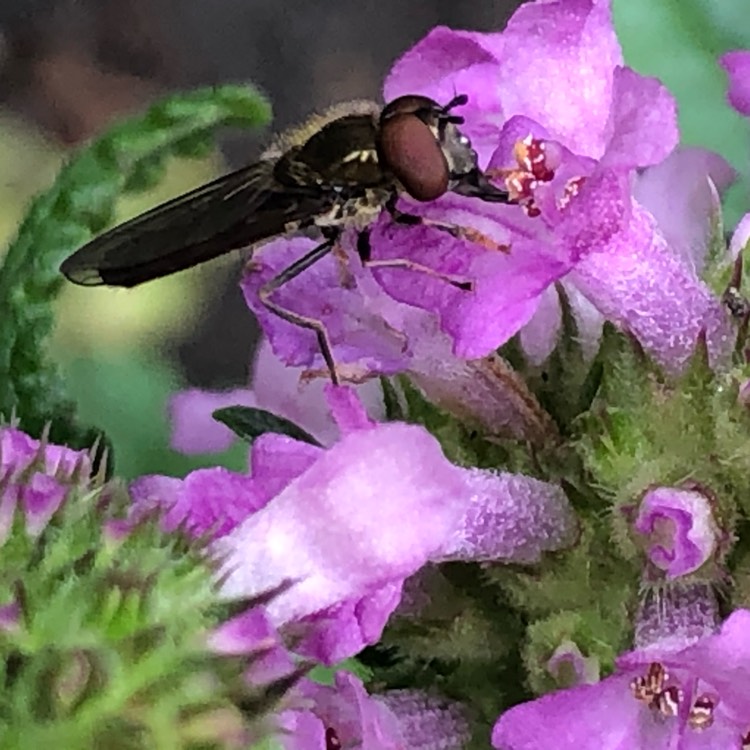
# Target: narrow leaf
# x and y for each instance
(249, 423)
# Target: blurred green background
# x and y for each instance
(68, 68)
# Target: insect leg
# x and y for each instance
(289, 273)
(459, 232)
(364, 250)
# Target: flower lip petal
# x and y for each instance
(557, 68)
(446, 62)
(737, 66)
(685, 215)
(506, 285)
(371, 510)
(586, 717)
(681, 529)
(194, 430)
(643, 121)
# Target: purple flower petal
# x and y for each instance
(428, 722)
(207, 502)
(280, 390)
(341, 295)
(347, 409)
(557, 68)
(250, 634)
(276, 460)
(247, 633)
(598, 213)
(194, 430)
(10, 617)
(152, 494)
(345, 629)
(510, 518)
(348, 717)
(681, 529)
(40, 496)
(643, 121)
(640, 284)
(694, 697)
(36, 477)
(18, 451)
(737, 65)
(741, 237)
(371, 510)
(587, 717)
(446, 62)
(539, 336)
(8, 502)
(723, 662)
(506, 291)
(678, 195)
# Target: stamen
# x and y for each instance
(332, 739)
(701, 714)
(647, 688)
(533, 168)
(572, 188)
(667, 703)
(652, 689)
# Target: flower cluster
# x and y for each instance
(354, 541)
(523, 518)
(35, 479)
(337, 531)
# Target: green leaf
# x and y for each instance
(249, 423)
(130, 158)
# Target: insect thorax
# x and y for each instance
(357, 212)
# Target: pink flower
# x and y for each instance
(556, 116)
(35, 478)
(737, 66)
(338, 530)
(345, 716)
(678, 529)
(687, 686)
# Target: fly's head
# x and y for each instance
(421, 143)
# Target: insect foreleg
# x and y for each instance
(364, 251)
(289, 273)
(459, 232)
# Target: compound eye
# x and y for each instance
(412, 153)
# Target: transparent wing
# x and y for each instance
(234, 211)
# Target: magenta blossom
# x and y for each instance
(579, 125)
(343, 527)
(737, 66)
(35, 479)
(345, 716)
(678, 529)
(686, 687)
(554, 115)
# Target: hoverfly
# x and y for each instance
(337, 172)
